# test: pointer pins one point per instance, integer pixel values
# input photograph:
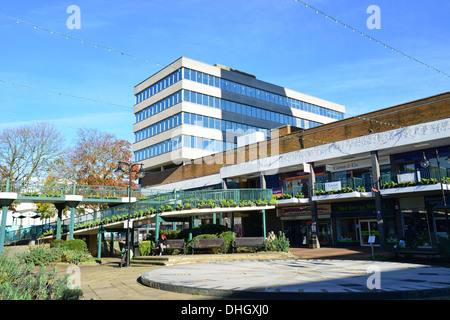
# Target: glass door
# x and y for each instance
(369, 228)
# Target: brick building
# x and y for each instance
(381, 150)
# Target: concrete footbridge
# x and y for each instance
(127, 208)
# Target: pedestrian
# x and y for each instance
(271, 236)
(162, 243)
(410, 237)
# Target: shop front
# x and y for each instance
(296, 224)
(423, 216)
(354, 222)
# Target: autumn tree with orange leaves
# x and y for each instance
(93, 158)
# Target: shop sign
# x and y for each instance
(366, 163)
(277, 192)
(406, 177)
(306, 167)
(303, 211)
(361, 208)
(334, 185)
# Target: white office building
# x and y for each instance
(191, 109)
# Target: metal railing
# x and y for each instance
(57, 191)
(151, 202)
(413, 177)
(346, 184)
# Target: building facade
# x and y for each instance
(191, 109)
(364, 176)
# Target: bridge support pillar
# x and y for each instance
(60, 207)
(99, 245)
(6, 200)
(72, 202)
(263, 215)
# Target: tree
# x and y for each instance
(94, 157)
(29, 151)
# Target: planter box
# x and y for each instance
(418, 188)
(292, 201)
(347, 195)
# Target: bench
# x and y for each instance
(428, 253)
(174, 244)
(249, 242)
(204, 243)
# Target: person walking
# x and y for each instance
(410, 237)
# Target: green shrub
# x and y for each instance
(75, 244)
(74, 256)
(228, 237)
(18, 282)
(43, 256)
(170, 234)
(281, 243)
(57, 243)
(145, 247)
(216, 229)
(40, 256)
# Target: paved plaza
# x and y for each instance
(308, 279)
(326, 273)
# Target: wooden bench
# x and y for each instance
(204, 243)
(249, 242)
(411, 253)
(173, 244)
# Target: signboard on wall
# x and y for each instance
(365, 163)
(335, 185)
(302, 211)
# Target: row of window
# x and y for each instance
(186, 141)
(243, 109)
(196, 120)
(235, 87)
(231, 86)
(159, 86)
(159, 148)
(159, 106)
(158, 127)
(226, 105)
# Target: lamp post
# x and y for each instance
(425, 163)
(120, 172)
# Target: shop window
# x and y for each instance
(347, 230)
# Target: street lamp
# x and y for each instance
(425, 163)
(120, 172)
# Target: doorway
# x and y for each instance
(369, 228)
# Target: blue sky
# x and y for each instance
(279, 41)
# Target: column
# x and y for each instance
(378, 200)
(60, 207)
(232, 222)
(72, 202)
(263, 214)
(5, 203)
(314, 241)
(99, 242)
(191, 221)
(262, 181)
(156, 227)
(112, 244)
(6, 199)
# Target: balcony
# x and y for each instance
(345, 189)
(419, 180)
(295, 195)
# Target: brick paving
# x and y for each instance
(106, 281)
